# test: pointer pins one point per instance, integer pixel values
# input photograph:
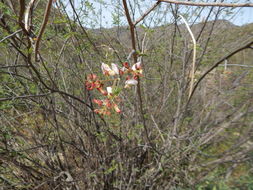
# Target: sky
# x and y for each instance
(241, 16)
(245, 16)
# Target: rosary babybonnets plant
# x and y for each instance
(110, 99)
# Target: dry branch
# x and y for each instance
(192, 75)
(42, 28)
(24, 97)
(245, 46)
(202, 4)
(146, 13)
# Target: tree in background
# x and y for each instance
(185, 122)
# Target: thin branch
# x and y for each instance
(12, 66)
(9, 36)
(42, 28)
(83, 29)
(159, 131)
(15, 74)
(193, 57)
(28, 149)
(247, 45)
(236, 65)
(28, 14)
(9, 183)
(202, 4)
(146, 13)
(44, 83)
(132, 31)
(23, 97)
(21, 15)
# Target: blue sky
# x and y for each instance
(245, 16)
(240, 16)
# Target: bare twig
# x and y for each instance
(83, 29)
(239, 65)
(132, 32)
(247, 45)
(131, 25)
(159, 131)
(21, 16)
(202, 4)
(12, 66)
(28, 14)
(194, 55)
(9, 36)
(21, 12)
(146, 13)
(23, 97)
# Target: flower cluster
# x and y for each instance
(111, 98)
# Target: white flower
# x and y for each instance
(122, 70)
(109, 89)
(105, 69)
(115, 68)
(108, 71)
(136, 66)
(130, 82)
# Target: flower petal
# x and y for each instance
(98, 111)
(109, 89)
(115, 68)
(102, 91)
(130, 82)
(122, 71)
(136, 66)
(116, 108)
(107, 103)
(105, 69)
(89, 85)
(126, 65)
(91, 77)
(99, 102)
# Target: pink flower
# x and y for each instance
(89, 85)
(99, 102)
(126, 65)
(106, 112)
(107, 103)
(91, 82)
(92, 77)
(102, 112)
(102, 91)
(98, 111)
(116, 108)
